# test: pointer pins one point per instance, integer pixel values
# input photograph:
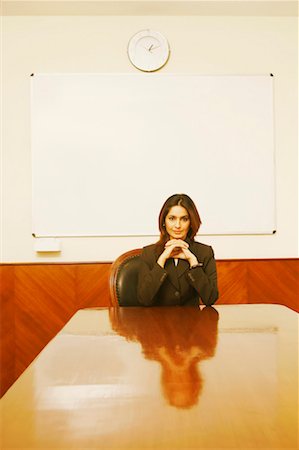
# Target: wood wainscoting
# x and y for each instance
(38, 299)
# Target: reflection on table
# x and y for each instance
(177, 341)
(161, 378)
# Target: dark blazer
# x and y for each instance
(177, 285)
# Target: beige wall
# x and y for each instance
(201, 44)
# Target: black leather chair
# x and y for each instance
(124, 278)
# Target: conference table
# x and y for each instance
(161, 378)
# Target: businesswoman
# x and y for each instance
(177, 270)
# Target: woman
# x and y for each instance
(177, 270)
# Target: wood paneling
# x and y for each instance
(36, 302)
(38, 299)
(92, 285)
(44, 300)
(7, 328)
(232, 282)
(276, 281)
(259, 281)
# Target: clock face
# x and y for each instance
(148, 50)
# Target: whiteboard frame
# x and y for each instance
(43, 167)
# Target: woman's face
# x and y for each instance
(177, 222)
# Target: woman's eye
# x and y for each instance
(185, 219)
(170, 218)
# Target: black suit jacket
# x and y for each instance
(177, 285)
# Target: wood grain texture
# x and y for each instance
(38, 299)
(277, 280)
(92, 285)
(7, 328)
(232, 282)
(44, 300)
(166, 378)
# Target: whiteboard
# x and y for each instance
(108, 149)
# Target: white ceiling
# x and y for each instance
(152, 7)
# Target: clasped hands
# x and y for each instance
(177, 248)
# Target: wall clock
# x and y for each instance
(148, 50)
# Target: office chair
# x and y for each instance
(124, 278)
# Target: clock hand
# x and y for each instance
(153, 48)
(149, 48)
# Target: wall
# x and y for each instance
(252, 43)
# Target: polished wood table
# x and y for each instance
(161, 378)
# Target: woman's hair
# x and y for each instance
(186, 202)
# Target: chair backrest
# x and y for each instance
(124, 278)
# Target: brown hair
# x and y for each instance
(186, 202)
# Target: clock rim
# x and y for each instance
(148, 33)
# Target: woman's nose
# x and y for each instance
(177, 223)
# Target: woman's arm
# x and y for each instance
(204, 279)
(150, 278)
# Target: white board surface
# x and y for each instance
(108, 149)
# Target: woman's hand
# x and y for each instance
(172, 248)
(188, 256)
(177, 248)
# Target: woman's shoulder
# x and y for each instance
(202, 248)
(149, 253)
(149, 249)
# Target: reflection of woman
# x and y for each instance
(177, 270)
(178, 338)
